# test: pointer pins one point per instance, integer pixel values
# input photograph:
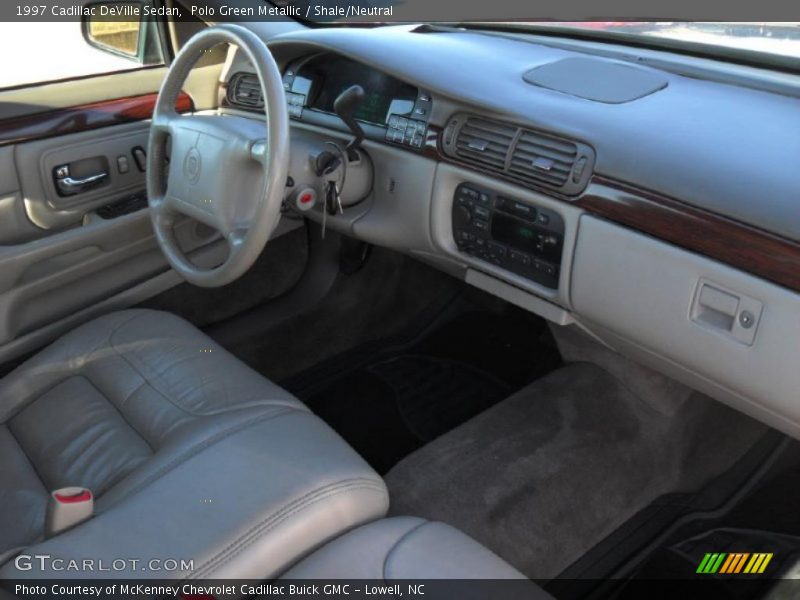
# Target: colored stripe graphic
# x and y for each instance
(731, 560)
(727, 564)
(741, 562)
(711, 562)
(703, 563)
(758, 563)
(734, 563)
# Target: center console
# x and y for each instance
(523, 238)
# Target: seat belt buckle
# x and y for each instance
(68, 507)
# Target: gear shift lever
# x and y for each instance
(346, 105)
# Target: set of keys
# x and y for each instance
(334, 172)
(333, 198)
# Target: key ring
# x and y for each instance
(342, 161)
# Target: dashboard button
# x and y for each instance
(463, 216)
(497, 249)
(523, 210)
(520, 258)
(545, 268)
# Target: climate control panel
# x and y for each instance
(518, 236)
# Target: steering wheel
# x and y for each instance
(225, 171)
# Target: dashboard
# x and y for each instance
(663, 221)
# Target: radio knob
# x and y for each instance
(462, 216)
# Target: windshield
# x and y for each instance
(780, 39)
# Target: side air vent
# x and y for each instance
(485, 142)
(523, 155)
(543, 159)
(244, 90)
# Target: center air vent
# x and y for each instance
(486, 142)
(543, 159)
(244, 90)
(524, 155)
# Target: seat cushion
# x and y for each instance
(189, 453)
(409, 548)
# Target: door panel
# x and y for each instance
(15, 227)
(51, 278)
(66, 257)
(94, 153)
(47, 279)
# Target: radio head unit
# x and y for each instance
(525, 239)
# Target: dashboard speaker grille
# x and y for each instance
(485, 142)
(245, 91)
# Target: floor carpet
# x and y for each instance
(543, 476)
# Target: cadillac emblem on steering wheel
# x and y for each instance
(191, 165)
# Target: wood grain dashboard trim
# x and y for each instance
(742, 246)
(85, 117)
(721, 238)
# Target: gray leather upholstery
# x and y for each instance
(403, 548)
(190, 454)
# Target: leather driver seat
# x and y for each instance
(189, 453)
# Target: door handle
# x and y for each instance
(69, 186)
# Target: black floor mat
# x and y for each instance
(389, 398)
(432, 393)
